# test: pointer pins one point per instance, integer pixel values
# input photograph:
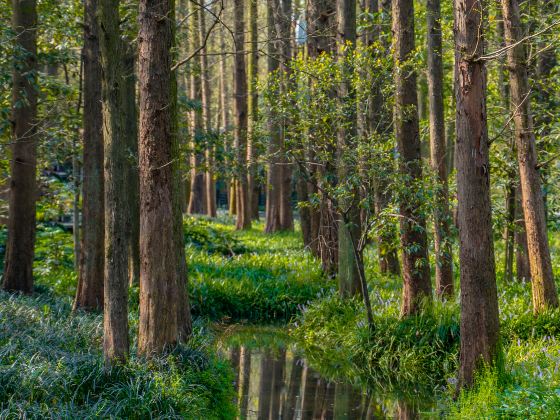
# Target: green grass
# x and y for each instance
(51, 366)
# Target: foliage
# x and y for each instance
(51, 366)
(209, 237)
(268, 282)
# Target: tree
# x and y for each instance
(240, 134)
(115, 319)
(206, 95)
(197, 200)
(89, 292)
(479, 302)
(414, 242)
(542, 278)
(438, 158)
(349, 229)
(163, 302)
(252, 109)
(20, 247)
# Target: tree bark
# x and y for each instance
(209, 182)
(349, 225)
(523, 272)
(89, 293)
(20, 246)
(115, 317)
(131, 129)
(479, 302)
(414, 242)
(438, 153)
(542, 278)
(163, 304)
(240, 136)
(197, 200)
(252, 109)
(274, 175)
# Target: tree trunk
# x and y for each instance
(240, 135)
(294, 386)
(163, 302)
(542, 278)
(278, 368)
(479, 302)
(442, 215)
(284, 29)
(321, 29)
(414, 242)
(252, 109)
(265, 388)
(523, 272)
(210, 183)
(245, 381)
(89, 292)
(349, 224)
(20, 246)
(131, 137)
(115, 318)
(197, 200)
(274, 176)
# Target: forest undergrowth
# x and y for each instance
(52, 362)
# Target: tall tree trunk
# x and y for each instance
(349, 222)
(414, 242)
(163, 304)
(321, 28)
(284, 29)
(210, 183)
(523, 272)
(131, 138)
(387, 254)
(240, 136)
(20, 247)
(89, 293)
(542, 278)
(197, 200)
(274, 176)
(511, 179)
(479, 302)
(252, 109)
(442, 215)
(115, 318)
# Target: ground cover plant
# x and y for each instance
(51, 366)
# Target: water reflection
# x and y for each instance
(275, 383)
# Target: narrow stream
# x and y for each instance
(275, 381)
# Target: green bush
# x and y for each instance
(51, 366)
(211, 237)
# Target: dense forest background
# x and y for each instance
(380, 177)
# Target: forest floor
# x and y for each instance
(51, 362)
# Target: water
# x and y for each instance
(275, 381)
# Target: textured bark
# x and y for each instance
(20, 246)
(438, 153)
(252, 109)
(284, 28)
(89, 293)
(274, 174)
(115, 316)
(479, 302)
(197, 199)
(349, 225)
(523, 272)
(209, 181)
(414, 243)
(321, 28)
(163, 302)
(133, 180)
(542, 278)
(240, 134)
